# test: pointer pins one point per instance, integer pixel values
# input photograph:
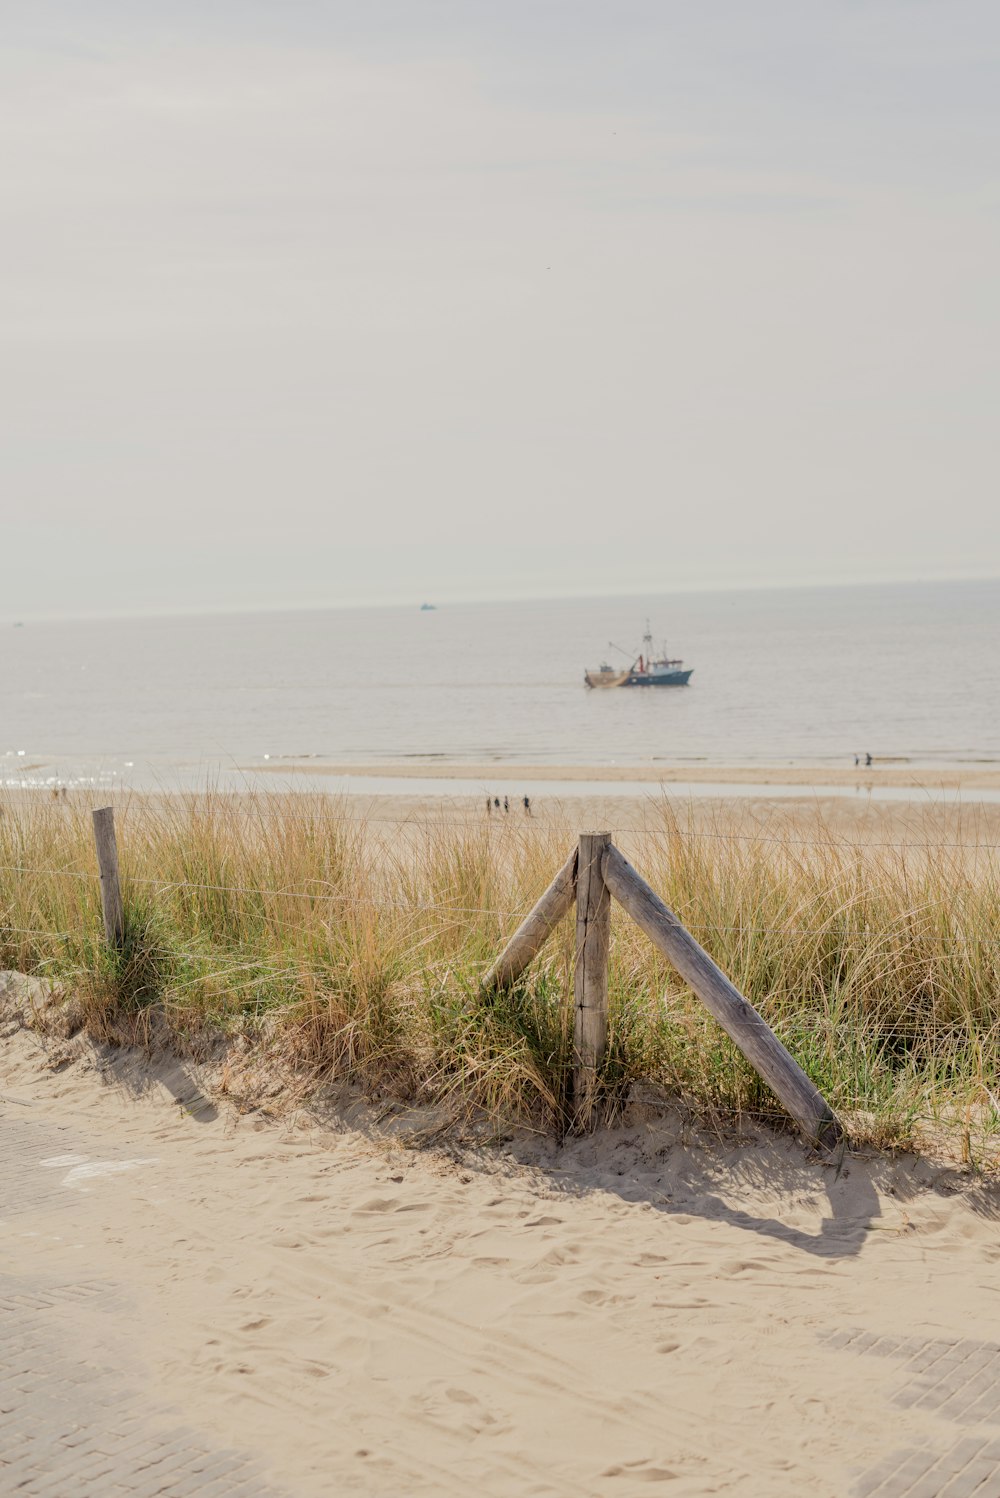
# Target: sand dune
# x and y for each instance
(645, 1308)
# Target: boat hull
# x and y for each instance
(659, 679)
(638, 678)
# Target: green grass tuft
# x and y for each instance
(879, 968)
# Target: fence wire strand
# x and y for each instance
(322, 896)
(836, 929)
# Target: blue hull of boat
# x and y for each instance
(674, 679)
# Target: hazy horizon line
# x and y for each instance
(416, 604)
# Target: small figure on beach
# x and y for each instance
(857, 759)
(506, 804)
(496, 802)
(489, 804)
(527, 805)
(868, 759)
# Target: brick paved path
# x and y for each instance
(957, 1380)
(75, 1418)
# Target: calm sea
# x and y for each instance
(813, 676)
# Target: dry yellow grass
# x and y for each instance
(361, 946)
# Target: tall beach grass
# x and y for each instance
(357, 949)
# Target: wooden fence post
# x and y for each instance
(107, 859)
(593, 939)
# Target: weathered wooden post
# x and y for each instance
(724, 1002)
(593, 873)
(593, 940)
(107, 859)
(531, 935)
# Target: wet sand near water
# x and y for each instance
(922, 779)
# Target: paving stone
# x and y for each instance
(77, 1425)
(916, 1465)
(929, 1486)
(886, 1347)
(979, 1479)
(959, 1382)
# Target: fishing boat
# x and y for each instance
(646, 670)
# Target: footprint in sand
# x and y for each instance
(640, 1472)
(569, 1254)
(391, 1204)
(472, 1419)
(603, 1298)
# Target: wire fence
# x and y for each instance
(304, 979)
(837, 924)
(797, 1027)
(837, 929)
(650, 825)
(656, 830)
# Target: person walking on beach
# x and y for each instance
(496, 802)
(506, 804)
(868, 759)
(489, 805)
(527, 805)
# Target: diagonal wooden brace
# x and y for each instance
(534, 930)
(724, 1002)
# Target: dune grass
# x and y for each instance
(359, 949)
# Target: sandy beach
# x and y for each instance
(340, 1295)
(905, 823)
(923, 807)
(897, 775)
(652, 1307)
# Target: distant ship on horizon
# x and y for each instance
(645, 671)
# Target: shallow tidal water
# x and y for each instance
(908, 672)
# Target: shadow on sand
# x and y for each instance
(761, 1182)
(138, 1073)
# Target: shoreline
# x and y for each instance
(897, 777)
(957, 806)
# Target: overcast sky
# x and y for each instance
(316, 301)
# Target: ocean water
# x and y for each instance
(908, 672)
